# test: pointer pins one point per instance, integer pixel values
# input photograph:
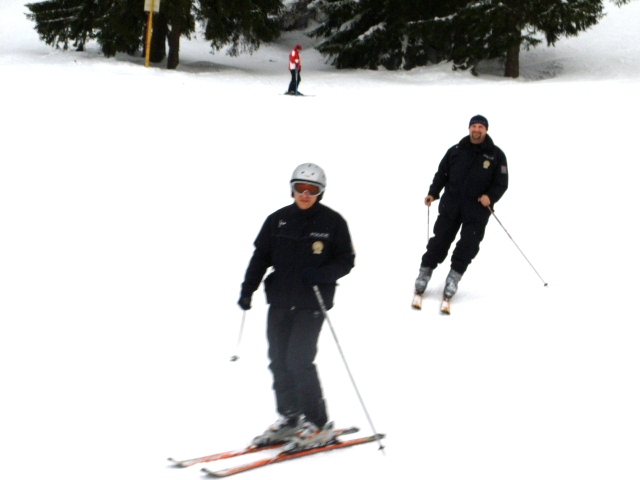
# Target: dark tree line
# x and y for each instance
(394, 34)
(407, 33)
(120, 25)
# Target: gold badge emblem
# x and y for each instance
(317, 247)
(486, 164)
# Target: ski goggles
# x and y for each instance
(311, 189)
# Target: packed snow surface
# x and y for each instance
(130, 198)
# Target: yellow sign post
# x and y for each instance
(151, 6)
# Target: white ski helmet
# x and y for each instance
(310, 173)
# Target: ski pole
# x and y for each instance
(326, 317)
(237, 356)
(514, 242)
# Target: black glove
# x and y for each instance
(245, 302)
(311, 276)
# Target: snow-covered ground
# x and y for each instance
(130, 198)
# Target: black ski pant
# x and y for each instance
(293, 343)
(470, 219)
(295, 81)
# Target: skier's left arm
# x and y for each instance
(500, 178)
(342, 256)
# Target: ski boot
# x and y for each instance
(451, 284)
(280, 432)
(310, 436)
(420, 286)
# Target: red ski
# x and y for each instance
(227, 472)
(243, 451)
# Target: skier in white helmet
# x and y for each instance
(306, 244)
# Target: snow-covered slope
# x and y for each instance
(130, 198)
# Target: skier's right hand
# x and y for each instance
(429, 200)
(244, 302)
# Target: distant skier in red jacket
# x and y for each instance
(294, 67)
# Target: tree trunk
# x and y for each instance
(159, 39)
(174, 48)
(512, 65)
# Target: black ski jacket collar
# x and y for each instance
(487, 146)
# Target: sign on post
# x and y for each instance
(152, 4)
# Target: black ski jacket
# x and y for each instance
(468, 171)
(292, 240)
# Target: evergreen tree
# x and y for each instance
(297, 15)
(488, 29)
(390, 33)
(120, 25)
(60, 22)
(241, 24)
(116, 25)
(408, 33)
(181, 22)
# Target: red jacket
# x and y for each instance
(294, 59)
